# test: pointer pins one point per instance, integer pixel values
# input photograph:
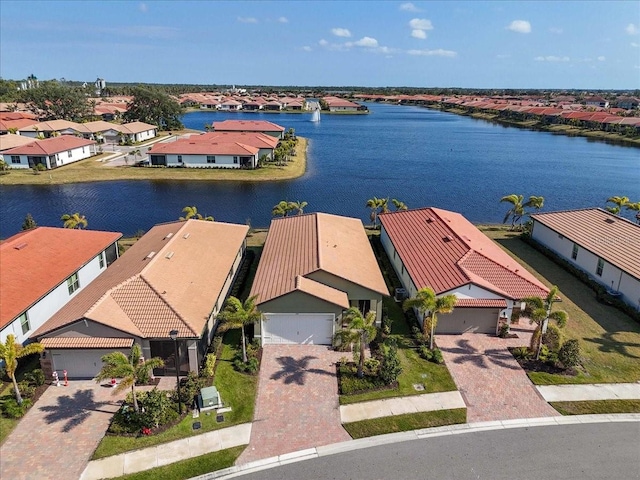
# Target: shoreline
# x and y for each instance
(269, 112)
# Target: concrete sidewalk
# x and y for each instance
(166, 453)
(428, 402)
(596, 391)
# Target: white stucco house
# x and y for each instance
(137, 132)
(42, 269)
(604, 245)
(205, 153)
(51, 152)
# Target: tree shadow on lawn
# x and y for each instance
(295, 370)
(74, 409)
(608, 344)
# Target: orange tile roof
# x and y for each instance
(322, 291)
(34, 262)
(11, 141)
(136, 127)
(610, 237)
(255, 139)
(443, 250)
(50, 146)
(303, 244)
(190, 147)
(18, 123)
(247, 126)
(53, 126)
(86, 342)
(481, 303)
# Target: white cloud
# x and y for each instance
(409, 7)
(420, 24)
(341, 32)
(520, 26)
(323, 43)
(419, 34)
(143, 7)
(635, 45)
(601, 58)
(556, 30)
(306, 48)
(283, 20)
(367, 42)
(247, 20)
(632, 29)
(552, 58)
(433, 53)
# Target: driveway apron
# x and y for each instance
(58, 435)
(491, 381)
(297, 402)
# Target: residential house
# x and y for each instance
(204, 154)
(336, 104)
(603, 245)
(12, 122)
(230, 105)
(12, 140)
(440, 249)
(42, 269)
(596, 101)
(628, 103)
(52, 128)
(51, 152)
(176, 277)
(265, 144)
(136, 132)
(312, 268)
(261, 126)
(102, 132)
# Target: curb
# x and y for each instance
(350, 445)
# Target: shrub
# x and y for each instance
(418, 336)
(143, 377)
(544, 353)
(371, 366)
(390, 368)
(156, 408)
(209, 365)
(251, 366)
(12, 409)
(216, 344)
(189, 388)
(437, 356)
(521, 352)
(553, 338)
(504, 330)
(26, 390)
(36, 377)
(569, 354)
(425, 352)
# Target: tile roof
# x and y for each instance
(12, 140)
(136, 127)
(255, 139)
(190, 147)
(54, 126)
(481, 303)
(443, 250)
(18, 123)
(50, 146)
(303, 244)
(322, 291)
(177, 286)
(610, 237)
(247, 126)
(86, 342)
(34, 262)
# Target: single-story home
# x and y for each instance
(262, 126)
(336, 104)
(202, 154)
(265, 144)
(312, 268)
(230, 105)
(11, 140)
(603, 245)
(176, 277)
(42, 269)
(440, 249)
(51, 152)
(102, 131)
(53, 128)
(138, 131)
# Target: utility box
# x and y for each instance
(209, 398)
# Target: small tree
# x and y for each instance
(538, 311)
(431, 306)
(192, 212)
(281, 209)
(74, 220)
(360, 331)
(237, 314)
(298, 207)
(569, 354)
(10, 352)
(399, 205)
(29, 222)
(618, 203)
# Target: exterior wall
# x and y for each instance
(343, 109)
(146, 135)
(59, 159)
(394, 258)
(44, 309)
(200, 161)
(474, 291)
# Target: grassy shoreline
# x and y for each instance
(95, 170)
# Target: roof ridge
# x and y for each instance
(588, 209)
(318, 243)
(108, 293)
(154, 259)
(177, 314)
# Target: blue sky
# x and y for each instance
(504, 44)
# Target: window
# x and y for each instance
(15, 158)
(235, 159)
(574, 253)
(73, 283)
(402, 269)
(600, 267)
(101, 260)
(211, 159)
(364, 306)
(24, 323)
(179, 158)
(69, 154)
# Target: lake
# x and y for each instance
(420, 156)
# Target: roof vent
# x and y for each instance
(20, 246)
(431, 220)
(151, 254)
(448, 238)
(610, 220)
(466, 238)
(169, 235)
(186, 235)
(169, 255)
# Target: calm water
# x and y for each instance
(422, 157)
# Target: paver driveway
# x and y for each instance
(58, 435)
(491, 381)
(297, 402)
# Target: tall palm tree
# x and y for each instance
(281, 209)
(361, 330)
(10, 352)
(237, 314)
(618, 203)
(431, 306)
(74, 220)
(376, 205)
(192, 212)
(399, 205)
(298, 207)
(634, 207)
(538, 310)
(127, 369)
(517, 211)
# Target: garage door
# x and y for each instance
(300, 328)
(479, 320)
(79, 363)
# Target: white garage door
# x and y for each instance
(461, 320)
(79, 363)
(297, 328)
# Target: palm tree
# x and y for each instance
(281, 209)
(618, 203)
(237, 314)
(431, 306)
(635, 207)
(192, 212)
(127, 369)
(10, 352)
(377, 204)
(298, 207)
(361, 330)
(74, 220)
(517, 211)
(538, 311)
(135, 153)
(399, 205)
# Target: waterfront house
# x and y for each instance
(51, 152)
(312, 268)
(211, 153)
(176, 277)
(440, 249)
(336, 104)
(136, 132)
(261, 126)
(44, 268)
(230, 105)
(11, 140)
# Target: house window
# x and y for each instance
(179, 158)
(235, 159)
(24, 323)
(211, 159)
(574, 253)
(402, 269)
(73, 283)
(69, 154)
(600, 267)
(364, 306)
(15, 158)
(101, 260)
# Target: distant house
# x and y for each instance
(273, 106)
(603, 245)
(42, 269)
(12, 122)
(204, 154)
(230, 105)
(176, 277)
(440, 249)
(102, 131)
(262, 126)
(136, 132)
(596, 101)
(336, 104)
(628, 103)
(263, 142)
(51, 152)
(312, 268)
(52, 128)
(12, 140)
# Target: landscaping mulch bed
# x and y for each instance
(375, 387)
(533, 365)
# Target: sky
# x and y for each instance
(474, 44)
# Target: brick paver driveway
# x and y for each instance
(297, 402)
(491, 381)
(59, 433)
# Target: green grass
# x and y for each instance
(190, 468)
(403, 423)
(609, 339)
(435, 378)
(6, 424)
(237, 390)
(597, 407)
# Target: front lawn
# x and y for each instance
(609, 339)
(6, 424)
(238, 390)
(597, 407)
(403, 423)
